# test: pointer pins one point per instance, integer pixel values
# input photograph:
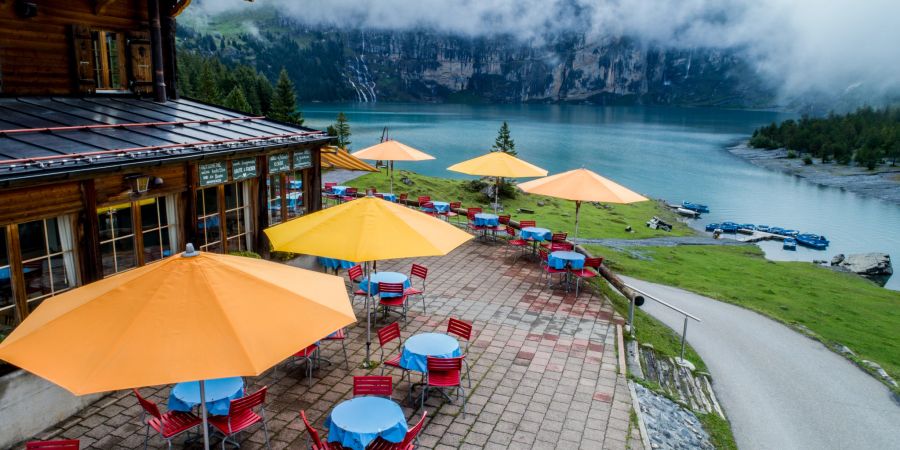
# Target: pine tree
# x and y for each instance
(284, 101)
(342, 131)
(264, 91)
(236, 100)
(206, 89)
(504, 142)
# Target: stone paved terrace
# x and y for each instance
(543, 366)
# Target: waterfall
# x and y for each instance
(360, 78)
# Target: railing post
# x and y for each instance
(631, 316)
(683, 336)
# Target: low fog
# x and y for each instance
(836, 48)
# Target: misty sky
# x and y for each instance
(802, 46)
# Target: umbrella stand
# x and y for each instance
(368, 361)
(203, 409)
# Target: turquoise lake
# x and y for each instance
(663, 152)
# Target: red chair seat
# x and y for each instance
(393, 361)
(359, 292)
(585, 273)
(413, 291)
(239, 422)
(518, 242)
(549, 269)
(307, 352)
(393, 301)
(336, 336)
(449, 378)
(174, 422)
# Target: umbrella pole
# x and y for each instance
(203, 409)
(368, 316)
(496, 195)
(391, 163)
(577, 210)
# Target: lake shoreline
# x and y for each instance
(882, 183)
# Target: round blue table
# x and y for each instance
(219, 394)
(339, 190)
(385, 277)
(418, 348)
(487, 220)
(562, 259)
(355, 423)
(389, 197)
(335, 264)
(441, 207)
(536, 234)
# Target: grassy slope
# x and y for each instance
(557, 215)
(837, 307)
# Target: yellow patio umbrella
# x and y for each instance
(197, 316)
(391, 150)
(581, 185)
(367, 229)
(500, 165)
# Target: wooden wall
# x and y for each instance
(36, 54)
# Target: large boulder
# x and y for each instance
(874, 266)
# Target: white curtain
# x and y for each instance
(172, 217)
(248, 216)
(67, 242)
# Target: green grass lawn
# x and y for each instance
(836, 307)
(556, 214)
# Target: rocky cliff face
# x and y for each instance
(422, 66)
(428, 66)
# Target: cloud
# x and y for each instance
(803, 46)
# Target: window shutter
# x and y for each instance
(83, 58)
(141, 65)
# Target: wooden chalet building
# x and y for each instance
(103, 168)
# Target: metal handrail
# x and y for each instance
(686, 314)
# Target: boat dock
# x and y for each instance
(758, 236)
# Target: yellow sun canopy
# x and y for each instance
(498, 164)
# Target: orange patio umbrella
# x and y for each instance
(391, 150)
(500, 165)
(581, 185)
(197, 316)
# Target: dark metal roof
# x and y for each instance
(43, 136)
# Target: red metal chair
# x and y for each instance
(314, 435)
(417, 271)
(406, 444)
(428, 208)
(386, 335)
(397, 300)
(470, 214)
(402, 198)
(451, 212)
(241, 415)
(545, 267)
(355, 274)
(586, 272)
(444, 373)
(350, 194)
(308, 355)
(168, 425)
(340, 335)
(329, 193)
(462, 330)
(527, 223)
(382, 386)
(561, 246)
(554, 239)
(423, 199)
(379, 195)
(66, 444)
(515, 242)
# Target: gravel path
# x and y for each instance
(779, 388)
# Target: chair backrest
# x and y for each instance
(455, 205)
(65, 444)
(402, 198)
(427, 205)
(471, 215)
(459, 328)
(388, 333)
(474, 210)
(527, 223)
(423, 199)
(379, 195)
(445, 366)
(373, 385)
(558, 237)
(390, 288)
(418, 271)
(329, 185)
(564, 246)
(312, 431)
(372, 189)
(248, 402)
(355, 272)
(504, 219)
(510, 231)
(593, 262)
(413, 432)
(149, 407)
(351, 191)
(543, 253)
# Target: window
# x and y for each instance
(109, 60)
(274, 185)
(7, 302)
(117, 246)
(238, 221)
(48, 261)
(209, 232)
(295, 205)
(158, 228)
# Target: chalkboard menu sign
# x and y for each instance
(213, 173)
(279, 162)
(302, 159)
(243, 168)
